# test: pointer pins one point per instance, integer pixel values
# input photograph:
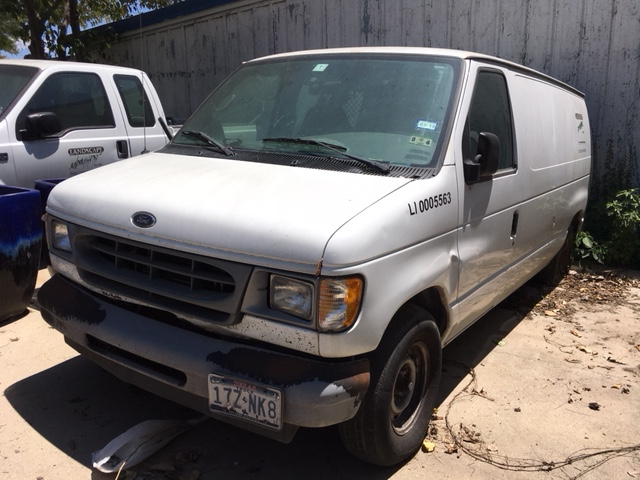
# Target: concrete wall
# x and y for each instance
(593, 45)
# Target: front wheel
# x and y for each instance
(393, 419)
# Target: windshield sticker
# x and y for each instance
(430, 203)
(320, 67)
(422, 141)
(424, 124)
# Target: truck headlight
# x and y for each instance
(291, 296)
(338, 303)
(60, 236)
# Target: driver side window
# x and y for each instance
(78, 99)
(491, 112)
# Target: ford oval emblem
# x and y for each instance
(143, 219)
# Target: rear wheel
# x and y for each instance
(393, 419)
(559, 266)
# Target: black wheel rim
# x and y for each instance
(409, 388)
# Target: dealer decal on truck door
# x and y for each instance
(85, 156)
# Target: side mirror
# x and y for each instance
(486, 160)
(41, 125)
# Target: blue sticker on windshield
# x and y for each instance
(320, 67)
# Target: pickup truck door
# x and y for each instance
(141, 112)
(488, 240)
(92, 131)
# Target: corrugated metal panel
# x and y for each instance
(593, 45)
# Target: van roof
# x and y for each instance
(442, 52)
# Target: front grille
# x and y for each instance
(187, 285)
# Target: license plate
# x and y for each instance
(254, 403)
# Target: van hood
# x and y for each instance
(269, 215)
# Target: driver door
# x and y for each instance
(488, 239)
(89, 138)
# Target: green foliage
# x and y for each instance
(51, 28)
(612, 220)
(625, 209)
(623, 244)
(7, 44)
(588, 249)
(610, 175)
(10, 29)
(617, 241)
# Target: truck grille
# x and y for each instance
(187, 285)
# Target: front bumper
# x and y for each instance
(175, 363)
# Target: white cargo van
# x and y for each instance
(58, 119)
(320, 228)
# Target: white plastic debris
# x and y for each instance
(138, 443)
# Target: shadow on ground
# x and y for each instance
(79, 408)
(470, 348)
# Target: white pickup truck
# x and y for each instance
(58, 119)
(317, 231)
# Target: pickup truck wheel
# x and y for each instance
(393, 418)
(556, 270)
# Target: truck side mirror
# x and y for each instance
(486, 160)
(41, 125)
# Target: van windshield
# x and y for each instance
(391, 109)
(13, 79)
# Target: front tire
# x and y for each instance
(393, 419)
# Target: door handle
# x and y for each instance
(514, 226)
(123, 148)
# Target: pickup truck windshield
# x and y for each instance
(13, 79)
(390, 109)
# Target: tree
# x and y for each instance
(7, 42)
(56, 28)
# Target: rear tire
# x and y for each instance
(405, 374)
(559, 265)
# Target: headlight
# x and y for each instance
(338, 303)
(291, 296)
(60, 236)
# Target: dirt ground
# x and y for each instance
(545, 386)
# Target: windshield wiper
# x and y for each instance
(209, 141)
(381, 167)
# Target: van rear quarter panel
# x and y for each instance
(554, 153)
(552, 130)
